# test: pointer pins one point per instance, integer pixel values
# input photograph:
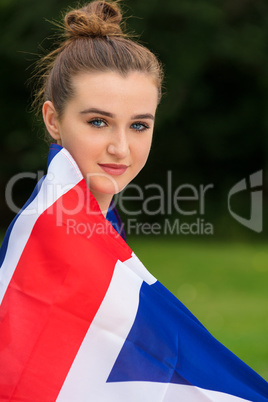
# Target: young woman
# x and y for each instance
(100, 95)
(81, 318)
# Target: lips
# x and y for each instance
(113, 168)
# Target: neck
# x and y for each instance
(104, 201)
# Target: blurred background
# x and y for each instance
(211, 129)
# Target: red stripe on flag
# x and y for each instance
(55, 292)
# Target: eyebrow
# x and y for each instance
(108, 114)
(143, 116)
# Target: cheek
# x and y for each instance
(104, 184)
(142, 152)
(83, 147)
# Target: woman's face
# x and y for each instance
(107, 127)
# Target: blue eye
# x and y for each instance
(139, 126)
(98, 123)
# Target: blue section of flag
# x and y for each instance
(4, 245)
(115, 220)
(53, 150)
(168, 344)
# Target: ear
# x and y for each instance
(51, 120)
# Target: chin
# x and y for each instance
(107, 188)
(104, 185)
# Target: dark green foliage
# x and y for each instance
(212, 122)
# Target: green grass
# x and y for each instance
(224, 285)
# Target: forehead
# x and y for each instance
(135, 89)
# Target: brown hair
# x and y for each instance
(93, 41)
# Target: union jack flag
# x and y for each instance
(81, 319)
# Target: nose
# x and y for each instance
(118, 144)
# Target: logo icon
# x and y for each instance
(255, 222)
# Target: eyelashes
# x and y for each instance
(100, 123)
(142, 126)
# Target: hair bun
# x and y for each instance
(98, 18)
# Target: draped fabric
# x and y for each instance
(81, 319)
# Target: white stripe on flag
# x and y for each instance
(137, 267)
(64, 177)
(86, 380)
(104, 339)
